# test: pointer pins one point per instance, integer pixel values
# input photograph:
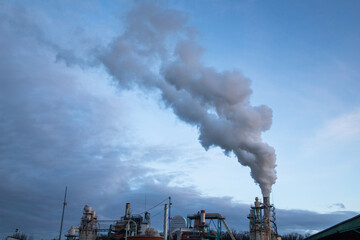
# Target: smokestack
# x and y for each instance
(257, 205)
(127, 210)
(266, 201)
(166, 216)
(202, 217)
(267, 216)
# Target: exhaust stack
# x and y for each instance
(127, 211)
(202, 217)
(261, 226)
(267, 216)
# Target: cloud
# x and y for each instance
(303, 221)
(342, 128)
(337, 205)
(59, 126)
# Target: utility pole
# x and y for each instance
(166, 219)
(62, 216)
(169, 218)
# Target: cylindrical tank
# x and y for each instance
(177, 222)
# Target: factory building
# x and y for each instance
(198, 226)
(88, 225)
(132, 226)
(349, 230)
(262, 224)
(129, 227)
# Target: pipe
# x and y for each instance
(227, 228)
(169, 218)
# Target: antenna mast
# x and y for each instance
(62, 216)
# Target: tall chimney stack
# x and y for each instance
(202, 217)
(267, 216)
(127, 211)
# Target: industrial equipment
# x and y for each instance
(129, 227)
(88, 225)
(132, 226)
(199, 227)
(262, 225)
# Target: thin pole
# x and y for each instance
(62, 216)
(145, 203)
(166, 219)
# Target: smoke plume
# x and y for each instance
(158, 51)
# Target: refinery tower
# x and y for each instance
(262, 224)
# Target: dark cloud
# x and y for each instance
(55, 131)
(303, 221)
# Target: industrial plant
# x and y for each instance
(197, 226)
(262, 223)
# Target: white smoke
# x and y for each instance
(158, 51)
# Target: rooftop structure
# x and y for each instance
(348, 229)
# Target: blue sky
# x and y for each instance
(68, 120)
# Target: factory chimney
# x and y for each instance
(127, 211)
(260, 226)
(202, 217)
(267, 216)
